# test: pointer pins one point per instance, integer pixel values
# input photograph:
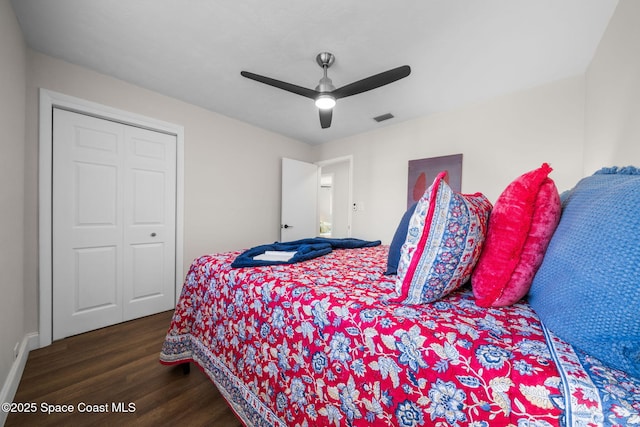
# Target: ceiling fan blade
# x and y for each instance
(325, 117)
(372, 82)
(299, 90)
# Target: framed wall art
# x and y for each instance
(422, 172)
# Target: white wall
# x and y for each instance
(500, 139)
(232, 169)
(12, 122)
(613, 93)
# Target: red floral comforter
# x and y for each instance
(316, 344)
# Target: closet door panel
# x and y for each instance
(150, 199)
(87, 223)
(114, 202)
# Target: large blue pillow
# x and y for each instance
(398, 240)
(587, 289)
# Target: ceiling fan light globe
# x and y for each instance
(325, 102)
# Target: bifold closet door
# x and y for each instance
(113, 222)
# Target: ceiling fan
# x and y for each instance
(325, 94)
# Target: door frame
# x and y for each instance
(48, 100)
(349, 160)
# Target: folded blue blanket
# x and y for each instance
(305, 249)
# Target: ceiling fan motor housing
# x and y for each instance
(325, 85)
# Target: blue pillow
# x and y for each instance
(398, 240)
(587, 289)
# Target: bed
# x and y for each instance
(314, 343)
(322, 343)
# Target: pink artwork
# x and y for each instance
(422, 172)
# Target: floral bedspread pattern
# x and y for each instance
(599, 396)
(316, 343)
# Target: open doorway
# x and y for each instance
(334, 197)
(325, 205)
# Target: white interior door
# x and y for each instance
(87, 223)
(299, 214)
(149, 218)
(107, 180)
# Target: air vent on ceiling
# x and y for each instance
(383, 117)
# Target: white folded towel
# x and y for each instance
(275, 256)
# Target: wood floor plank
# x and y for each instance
(112, 368)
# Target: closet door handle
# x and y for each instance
(153, 234)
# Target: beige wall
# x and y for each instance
(12, 123)
(500, 139)
(613, 93)
(232, 169)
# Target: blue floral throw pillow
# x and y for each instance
(587, 290)
(443, 243)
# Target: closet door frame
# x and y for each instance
(49, 100)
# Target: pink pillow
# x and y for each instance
(521, 224)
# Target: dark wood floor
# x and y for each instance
(118, 365)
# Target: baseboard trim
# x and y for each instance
(29, 342)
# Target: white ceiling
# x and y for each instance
(460, 51)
